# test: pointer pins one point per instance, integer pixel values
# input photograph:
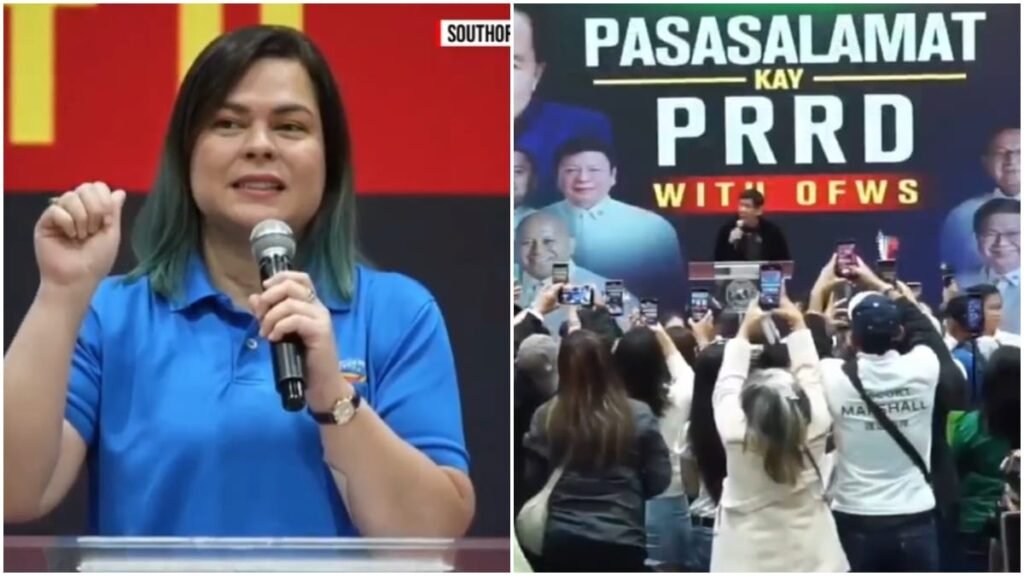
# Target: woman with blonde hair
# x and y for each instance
(773, 421)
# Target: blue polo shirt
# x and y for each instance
(186, 433)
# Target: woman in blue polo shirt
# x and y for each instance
(163, 379)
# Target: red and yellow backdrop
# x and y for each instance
(89, 89)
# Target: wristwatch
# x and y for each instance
(342, 412)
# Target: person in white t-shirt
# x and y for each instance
(883, 504)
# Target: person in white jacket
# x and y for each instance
(772, 516)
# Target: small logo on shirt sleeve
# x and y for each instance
(353, 371)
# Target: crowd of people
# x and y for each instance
(854, 429)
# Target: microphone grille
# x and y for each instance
(272, 236)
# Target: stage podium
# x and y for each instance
(96, 554)
(733, 284)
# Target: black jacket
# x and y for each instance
(951, 394)
(599, 505)
(773, 246)
(529, 326)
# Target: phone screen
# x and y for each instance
(975, 314)
(649, 311)
(576, 296)
(700, 302)
(887, 270)
(892, 248)
(560, 273)
(770, 287)
(613, 290)
(846, 258)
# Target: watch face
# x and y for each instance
(343, 411)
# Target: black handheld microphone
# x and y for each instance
(273, 247)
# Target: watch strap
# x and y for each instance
(328, 417)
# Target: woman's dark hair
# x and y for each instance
(643, 370)
(771, 356)
(167, 231)
(702, 434)
(1001, 394)
(591, 422)
(598, 321)
(727, 323)
(685, 342)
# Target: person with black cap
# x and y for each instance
(883, 400)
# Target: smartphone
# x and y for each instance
(846, 258)
(948, 274)
(649, 311)
(975, 314)
(886, 270)
(770, 286)
(576, 296)
(700, 303)
(893, 247)
(915, 289)
(613, 290)
(560, 273)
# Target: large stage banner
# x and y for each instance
(638, 127)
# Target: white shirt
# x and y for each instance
(618, 240)
(677, 415)
(872, 475)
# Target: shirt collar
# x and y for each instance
(596, 211)
(1013, 277)
(198, 287)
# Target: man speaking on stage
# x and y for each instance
(751, 237)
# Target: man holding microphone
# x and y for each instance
(751, 237)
